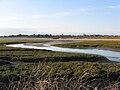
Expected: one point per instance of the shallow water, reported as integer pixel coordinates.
(111, 55)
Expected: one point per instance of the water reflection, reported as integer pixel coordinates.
(111, 55)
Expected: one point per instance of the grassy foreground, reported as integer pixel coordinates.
(61, 76)
(63, 68)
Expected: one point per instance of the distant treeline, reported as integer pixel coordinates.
(63, 36)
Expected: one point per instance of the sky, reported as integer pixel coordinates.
(59, 17)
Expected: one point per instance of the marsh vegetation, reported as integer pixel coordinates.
(47, 70)
(61, 75)
(111, 45)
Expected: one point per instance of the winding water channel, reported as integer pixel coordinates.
(111, 55)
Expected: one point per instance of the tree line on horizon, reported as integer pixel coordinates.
(61, 36)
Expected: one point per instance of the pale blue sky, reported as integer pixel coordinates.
(59, 16)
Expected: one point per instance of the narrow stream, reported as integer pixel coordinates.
(111, 55)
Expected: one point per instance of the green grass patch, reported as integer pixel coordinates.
(113, 45)
(63, 68)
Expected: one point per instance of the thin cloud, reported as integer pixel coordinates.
(80, 9)
(43, 16)
(77, 11)
(9, 18)
(114, 6)
(63, 14)
(37, 16)
(72, 12)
